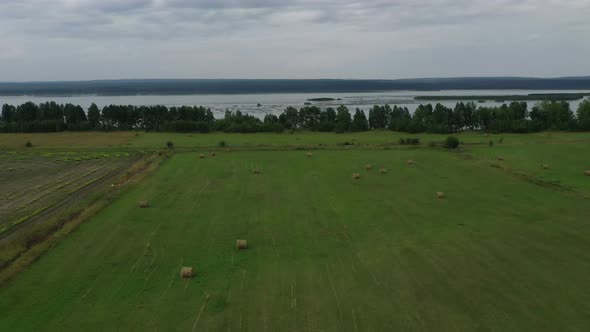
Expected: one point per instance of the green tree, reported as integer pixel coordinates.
(343, 119)
(8, 113)
(290, 118)
(27, 112)
(50, 111)
(554, 115)
(442, 120)
(327, 120)
(583, 115)
(421, 119)
(74, 114)
(359, 121)
(271, 119)
(379, 117)
(309, 117)
(400, 119)
(94, 116)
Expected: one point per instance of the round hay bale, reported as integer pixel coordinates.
(143, 204)
(201, 156)
(545, 166)
(241, 244)
(309, 154)
(368, 167)
(383, 171)
(498, 158)
(440, 195)
(356, 176)
(187, 272)
(587, 173)
(410, 162)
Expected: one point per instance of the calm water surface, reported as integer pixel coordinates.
(276, 103)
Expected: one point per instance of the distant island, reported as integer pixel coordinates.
(502, 98)
(321, 99)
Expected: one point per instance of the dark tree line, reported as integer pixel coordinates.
(514, 117)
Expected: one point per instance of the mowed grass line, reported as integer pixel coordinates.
(326, 252)
(566, 161)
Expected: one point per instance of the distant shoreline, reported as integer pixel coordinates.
(325, 86)
(502, 98)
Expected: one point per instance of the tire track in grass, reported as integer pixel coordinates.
(334, 292)
(235, 179)
(309, 228)
(196, 323)
(152, 267)
(90, 250)
(264, 295)
(242, 291)
(171, 282)
(319, 192)
(349, 240)
(151, 188)
(356, 328)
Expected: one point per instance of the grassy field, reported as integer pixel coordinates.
(507, 250)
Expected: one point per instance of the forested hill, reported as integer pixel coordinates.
(234, 86)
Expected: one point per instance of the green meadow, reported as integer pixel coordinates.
(508, 249)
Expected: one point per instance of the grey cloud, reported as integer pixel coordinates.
(289, 38)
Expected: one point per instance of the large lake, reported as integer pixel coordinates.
(276, 103)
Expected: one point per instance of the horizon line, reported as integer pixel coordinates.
(297, 79)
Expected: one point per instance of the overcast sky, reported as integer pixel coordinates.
(109, 39)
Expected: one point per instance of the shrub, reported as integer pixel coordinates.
(501, 140)
(432, 144)
(409, 141)
(452, 142)
(29, 144)
(491, 143)
(222, 144)
(170, 145)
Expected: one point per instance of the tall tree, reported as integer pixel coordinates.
(74, 114)
(290, 118)
(583, 115)
(8, 113)
(359, 121)
(327, 120)
(343, 119)
(94, 116)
